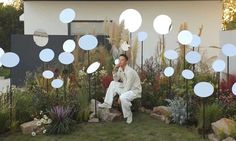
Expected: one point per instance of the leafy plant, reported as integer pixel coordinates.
(10, 24)
(4, 72)
(178, 110)
(84, 109)
(150, 79)
(23, 106)
(62, 122)
(213, 112)
(4, 119)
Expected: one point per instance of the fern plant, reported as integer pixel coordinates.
(178, 110)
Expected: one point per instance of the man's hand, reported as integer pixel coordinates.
(115, 69)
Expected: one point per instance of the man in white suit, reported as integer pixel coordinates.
(126, 84)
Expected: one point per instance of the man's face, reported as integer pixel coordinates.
(122, 61)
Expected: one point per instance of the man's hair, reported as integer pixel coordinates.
(124, 55)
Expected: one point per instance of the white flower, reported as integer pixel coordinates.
(44, 121)
(44, 131)
(39, 123)
(49, 121)
(41, 120)
(35, 119)
(33, 134)
(41, 112)
(45, 117)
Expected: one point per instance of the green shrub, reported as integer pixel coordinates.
(178, 110)
(213, 112)
(4, 119)
(84, 109)
(4, 72)
(24, 106)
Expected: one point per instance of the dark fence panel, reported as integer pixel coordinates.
(28, 52)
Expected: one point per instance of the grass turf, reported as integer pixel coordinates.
(143, 128)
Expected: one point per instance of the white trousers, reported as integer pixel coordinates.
(125, 97)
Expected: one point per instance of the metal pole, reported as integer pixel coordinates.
(142, 55)
(184, 57)
(64, 79)
(187, 104)
(89, 77)
(203, 122)
(43, 71)
(186, 86)
(193, 65)
(57, 91)
(130, 38)
(47, 81)
(218, 88)
(163, 49)
(170, 92)
(11, 99)
(95, 94)
(228, 73)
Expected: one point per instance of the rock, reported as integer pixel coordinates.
(156, 116)
(224, 128)
(148, 111)
(142, 109)
(114, 115)
(93, 120)
(103, 114)
(212, 137)
(92, 115)
(160, 117)
(109, 114)
(92, 105)
(162, 110)
(28, 127)
(229, 139)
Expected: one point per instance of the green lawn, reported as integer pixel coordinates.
(144, 128)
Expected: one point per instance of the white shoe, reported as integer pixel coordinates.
(104, 105)
(129, 119)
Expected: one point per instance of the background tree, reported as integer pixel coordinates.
(9, 23)
(229, 15)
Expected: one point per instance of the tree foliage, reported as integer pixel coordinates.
(9, 23)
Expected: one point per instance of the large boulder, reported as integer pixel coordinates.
(105, 114)
(224, 128)
(162, 110)
(160, 117)
(29, 127)
(93, 120)
(229, 139)
(213, 137)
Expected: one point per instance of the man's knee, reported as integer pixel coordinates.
(123, 98)
(112, 83)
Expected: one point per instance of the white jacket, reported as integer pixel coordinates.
(130, 80)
